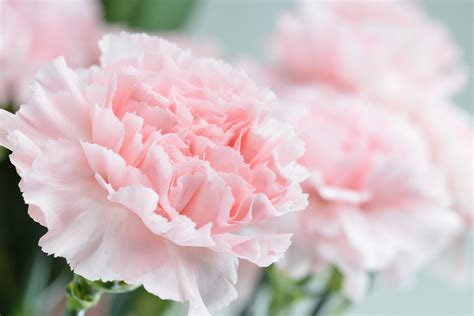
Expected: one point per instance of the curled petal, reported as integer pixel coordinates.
(262, 250)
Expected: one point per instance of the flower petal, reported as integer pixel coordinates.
(188, 278)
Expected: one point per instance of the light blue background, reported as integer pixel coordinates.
(242, 26)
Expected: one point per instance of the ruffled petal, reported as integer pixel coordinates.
(179, 230)
(111, 167)
(107, 130)
(211, 201)
(261, 250)
(188, 279)
(123, 249)
(46, 117)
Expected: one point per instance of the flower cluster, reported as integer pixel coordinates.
(388, 153)
(151, 165)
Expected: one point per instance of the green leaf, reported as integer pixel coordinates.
(285, 291)
(114, 287)
(119, 11)
(83, 294)
(3, 153)
(331, 291)
(145, 304)
(335, 280)
(149, 15)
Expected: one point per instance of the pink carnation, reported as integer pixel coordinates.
(379, 48)
(153, 169)
(449, 133)
(376, 204)
(32, 33)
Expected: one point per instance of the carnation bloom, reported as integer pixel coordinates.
(373, 50)
(377, 48)
(153, 169)
(376, 202)
(32, 33)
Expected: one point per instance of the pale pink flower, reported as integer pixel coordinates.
(32, 33)
(373, 50)
(377, 48)
(448, 131)
(153, 169)
(376, 204)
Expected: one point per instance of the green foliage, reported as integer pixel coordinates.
(3, 153)
(148, 304)
(113, 287)
(331, 301)
(149, 15)
(83, 294)
(336, 280)
(285, 291)
(140, 302)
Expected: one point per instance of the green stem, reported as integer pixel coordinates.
(333, 285)
(322, 302)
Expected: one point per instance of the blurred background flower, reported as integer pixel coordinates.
(35, 32)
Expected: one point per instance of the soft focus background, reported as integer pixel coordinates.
(241, 28)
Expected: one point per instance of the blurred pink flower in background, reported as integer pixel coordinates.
(449, 133)
(450, 136)
(154, 167)
(32, 33)
(393, 55)
(377, 203)
(382, 49)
